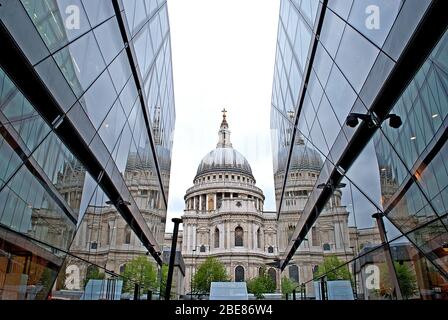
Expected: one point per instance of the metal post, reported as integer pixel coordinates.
(322, 289)
(294, 294)
(136, 291)
(390, 265)
(287, 296)
(169, 279)
(191, 275)
(304, 291)
(354, 276)
(355, 289)
(149, 296)
(301, 291)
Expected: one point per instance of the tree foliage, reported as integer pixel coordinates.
(164, 281)
(333, 269)
(139, 270)
(261, 284)
(288, 285)
(406, 281)
(211, 270)
(93, 272)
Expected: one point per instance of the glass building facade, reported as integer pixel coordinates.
(86, 123)
(372, 59)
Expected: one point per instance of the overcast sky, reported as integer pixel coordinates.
(223, 54)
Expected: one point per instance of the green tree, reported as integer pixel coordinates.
(261, 284)
(406, 281)
(163, 280)
(288, 285)
(139, 270)
(93, 272)
(211, 270)
(333, 269)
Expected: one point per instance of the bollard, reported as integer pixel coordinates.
(136, 291)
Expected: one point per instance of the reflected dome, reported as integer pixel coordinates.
(305, 158)
(302, 158)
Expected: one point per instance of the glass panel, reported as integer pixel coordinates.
(98, 10)
(9, 161)
(109, 39)
(56, 20)
(355, 50)
(98, 100)
(375, 19)
(28, 207)
(81, 62)
(431, 240)
(22, 116)
(417, 276)
(27, 268)
(106, 259)
(112, 126)
(62, 168)
(120, 71)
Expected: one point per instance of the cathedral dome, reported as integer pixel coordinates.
(305, 158)
(224, 157)
(302, 158)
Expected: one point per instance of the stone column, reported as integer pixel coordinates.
(194, 237)
(229, 243)
(250, 236)
(188, 236)
(200, 202)
(337, 233)
(221, 236)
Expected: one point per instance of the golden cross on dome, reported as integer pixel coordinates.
(224, 111)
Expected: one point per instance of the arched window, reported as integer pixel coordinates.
(294, 273)
(270, 249)
(273, 275)
(127, 234)
(239, 274)
(258, 238)
(216, 238)
(202, 248)
(122, 268)
(239, 236)
(327, 247)
(261, 271)
(315, 268)
(211, 203)
(314, 237)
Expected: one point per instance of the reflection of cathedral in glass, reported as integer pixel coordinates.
(103, 235)
(332, 234)
(85, 145)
